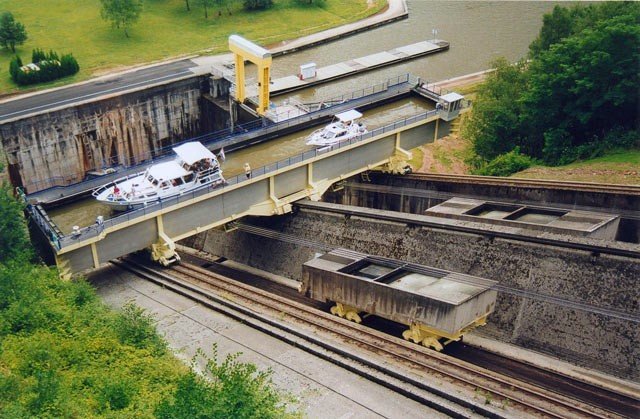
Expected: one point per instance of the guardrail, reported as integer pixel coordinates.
(258, 128)
(60, 240)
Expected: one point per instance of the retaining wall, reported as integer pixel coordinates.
(587, 339)
(60, 147)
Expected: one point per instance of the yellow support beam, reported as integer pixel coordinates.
(244, 49)
(240, 87)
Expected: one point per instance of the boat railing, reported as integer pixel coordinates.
(162, 203)
(113, 183)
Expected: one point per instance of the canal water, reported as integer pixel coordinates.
(83, 213)
(478, 32)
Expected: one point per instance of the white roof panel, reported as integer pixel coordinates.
(167, 171)
(451, 97)
(348, 116)
(193, 152)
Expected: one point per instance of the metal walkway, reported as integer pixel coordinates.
(249, 132)
(271, 190)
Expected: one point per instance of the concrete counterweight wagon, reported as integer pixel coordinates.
(437, 306)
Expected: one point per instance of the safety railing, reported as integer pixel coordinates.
(60, 241)
(259, 127)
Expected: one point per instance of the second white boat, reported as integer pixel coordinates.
(343, 127)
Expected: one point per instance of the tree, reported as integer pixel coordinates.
(224, 4)
(14, 239)
(583, 87)
(494, 125)
(12, 33)
(576, 98)
(257, 4)
(556, 25)
(121, 13)
(206, 4)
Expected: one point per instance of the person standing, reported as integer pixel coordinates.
(247, 170)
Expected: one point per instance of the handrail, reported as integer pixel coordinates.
(225, 134)
(96, 229)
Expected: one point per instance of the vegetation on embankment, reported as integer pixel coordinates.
(63, 353)
(452, 155)
(619, 167)
(575, 98)
(165, 29)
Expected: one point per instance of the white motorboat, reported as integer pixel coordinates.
(343, 127)
(194, 167)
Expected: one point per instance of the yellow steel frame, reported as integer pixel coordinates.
(244, 49)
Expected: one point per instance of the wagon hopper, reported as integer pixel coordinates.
(437, 306)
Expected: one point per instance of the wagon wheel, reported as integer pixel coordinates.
(432, 342)
(354, 317)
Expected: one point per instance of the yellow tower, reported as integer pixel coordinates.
(244, 49)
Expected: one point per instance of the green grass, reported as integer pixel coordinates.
(621, 167)
(416, 158)
(165, 30)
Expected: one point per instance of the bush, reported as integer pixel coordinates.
(51, 67)
(257, 4)
(137, 328)
(506, 164)
(231, 389)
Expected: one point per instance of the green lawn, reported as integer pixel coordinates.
(164, 30)
(616, 167)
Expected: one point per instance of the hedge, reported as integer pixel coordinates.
(49, 67)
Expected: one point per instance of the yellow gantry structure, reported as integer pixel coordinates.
(244, 49)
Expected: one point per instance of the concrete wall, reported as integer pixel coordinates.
(60, 147)
(591, 340)
(409, 188)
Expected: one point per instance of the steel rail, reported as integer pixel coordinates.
(608, 188)
(401, 218)
(275, 235)
(395, 348)
(438, 195)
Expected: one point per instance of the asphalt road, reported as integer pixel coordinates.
(42, 102)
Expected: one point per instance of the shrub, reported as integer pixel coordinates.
(232, 389)
(506, 164)
(50, 67)
(257, 4)
(137, 328)
(14, 67)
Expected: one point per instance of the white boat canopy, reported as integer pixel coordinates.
(348, 116)
(167, 171)
(192, 152)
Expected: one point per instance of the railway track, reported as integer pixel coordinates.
(612, 248)
(618, 403)
(499, 392)
(608, 188)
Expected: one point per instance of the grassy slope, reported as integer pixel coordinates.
(622, 167)
(448, 156)
(164, 30)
